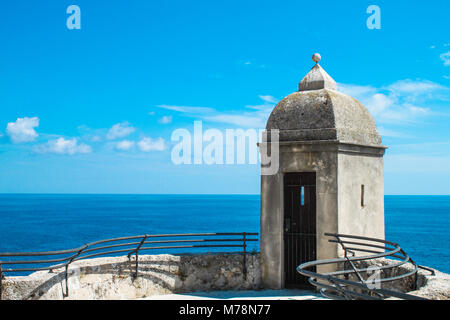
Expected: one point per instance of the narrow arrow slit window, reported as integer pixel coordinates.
(362, 196)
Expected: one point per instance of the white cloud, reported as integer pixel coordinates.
(256, 118)
(186, 109)
(124, 145)
(398, 102)
(92, 135)
(268, 99)
(238, 120)
(63, 146)
(445, 57)
(378, 103)
(417, 110)
(96, 138)
(413, 87)
(120, 130)
(148, 144)
(165, 120)
(23, 129)
(355, 90)
(251, 64)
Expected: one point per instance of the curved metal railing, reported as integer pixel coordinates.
(131, 245)
(365, 282)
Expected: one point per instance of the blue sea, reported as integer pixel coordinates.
(32, 222)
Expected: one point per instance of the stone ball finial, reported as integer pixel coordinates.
(317, 78)
(316, 57)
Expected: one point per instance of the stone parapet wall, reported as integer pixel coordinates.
(429, 286)
(113, 277)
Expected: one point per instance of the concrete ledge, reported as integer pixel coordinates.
(112, 277)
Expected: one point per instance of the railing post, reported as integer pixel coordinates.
(1, 282)
(136, 251)
(244, 267)
(67, 269)
(67, 281)
(416, 278)
(348, 260)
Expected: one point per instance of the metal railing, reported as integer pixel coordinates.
(131, 245)
(354, 282)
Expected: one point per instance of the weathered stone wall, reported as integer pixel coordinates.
(112, 277)
(429, 286)
(354, 170)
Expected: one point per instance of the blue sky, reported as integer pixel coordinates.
(93, 110)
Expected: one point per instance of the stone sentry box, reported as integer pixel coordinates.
(330, 178)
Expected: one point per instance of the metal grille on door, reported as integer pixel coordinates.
(299, 225)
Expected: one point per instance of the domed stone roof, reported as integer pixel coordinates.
(319, 112)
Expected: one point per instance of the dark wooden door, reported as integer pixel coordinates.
(299, 225)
